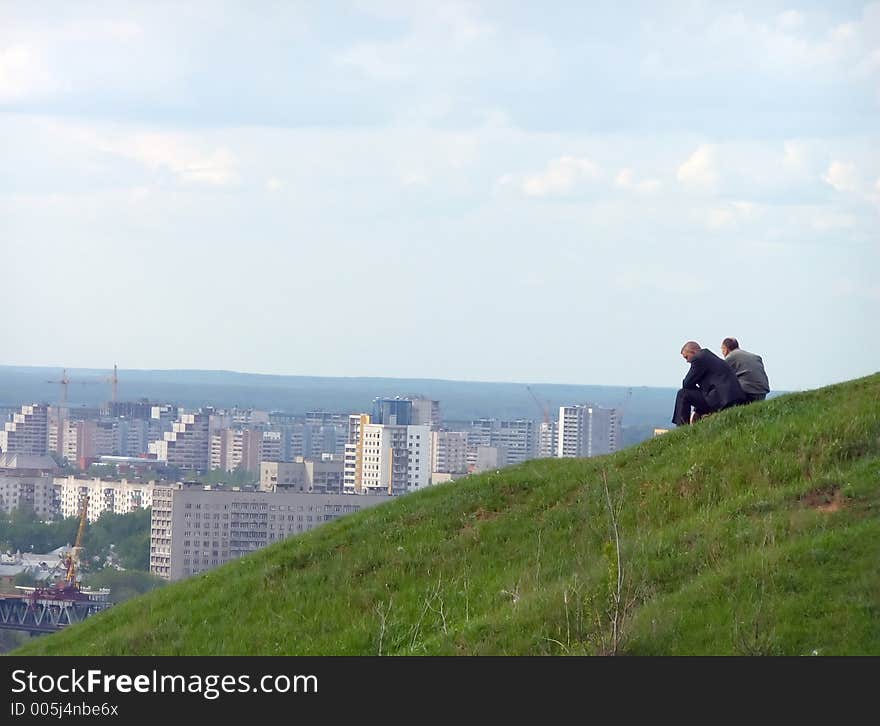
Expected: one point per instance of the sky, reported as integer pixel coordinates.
(560, 192)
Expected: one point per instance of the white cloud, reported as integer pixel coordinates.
(274, 184)
(23, 73)
(728, 215)
(376, 62)
(790, 19)
(561, 176)
(796, 157)
(626, 180)
(437, 31)
(843, 177)
(177, 155)
(699, 169)
(186, 156)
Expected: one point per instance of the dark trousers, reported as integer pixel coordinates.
(752, 397)
(684, 399)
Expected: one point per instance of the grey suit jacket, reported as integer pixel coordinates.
(749, 369)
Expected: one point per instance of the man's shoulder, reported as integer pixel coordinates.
(706, 355)
(741, 354)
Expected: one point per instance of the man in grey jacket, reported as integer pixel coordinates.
(749, 369)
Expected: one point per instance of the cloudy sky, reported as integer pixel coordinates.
(540, 192)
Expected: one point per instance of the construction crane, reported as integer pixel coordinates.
(540, 405)
(72, 558)
(65, 382)
(69, 588)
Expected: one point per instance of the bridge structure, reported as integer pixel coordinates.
(34, 613)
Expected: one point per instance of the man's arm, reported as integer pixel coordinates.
(695, 374)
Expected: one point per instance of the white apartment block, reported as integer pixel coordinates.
(194, 529)
(36, 492)
(386, 458)
(449, 451)
(587, 430)
(28, 432)
(548, 433)
(118, 497)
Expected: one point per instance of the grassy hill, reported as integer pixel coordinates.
(755, 531)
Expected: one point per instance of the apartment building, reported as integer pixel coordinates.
(196, 528)
(449, 451)
(516, 437)
(389, 458)
(27, 432)
(187, 446)
(587, 430)
(28, 490)
(234, 448)
(323, 475)
(426, 412)
(118, 497)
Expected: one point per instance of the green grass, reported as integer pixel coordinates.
(723, 553)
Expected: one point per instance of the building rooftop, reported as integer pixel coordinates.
(27, 461)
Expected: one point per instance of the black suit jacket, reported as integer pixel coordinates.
(711, 375)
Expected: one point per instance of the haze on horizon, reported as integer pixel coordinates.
(478, 191)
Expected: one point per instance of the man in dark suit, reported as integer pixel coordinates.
(710, 385)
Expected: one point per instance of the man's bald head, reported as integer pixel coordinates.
(690, 349)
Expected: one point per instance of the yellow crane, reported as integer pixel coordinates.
(73, 556)
(65, 382)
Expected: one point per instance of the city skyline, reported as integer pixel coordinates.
(453, 191)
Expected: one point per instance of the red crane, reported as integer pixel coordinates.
(540, 405)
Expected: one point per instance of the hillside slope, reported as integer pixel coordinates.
(754, 531)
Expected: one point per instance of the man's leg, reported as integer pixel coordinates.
(684, 399)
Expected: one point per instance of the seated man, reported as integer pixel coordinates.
(710, 385)
(749, 369)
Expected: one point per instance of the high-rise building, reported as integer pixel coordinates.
(426, 412)
(449, 452)
(233, 449)
(392, 411)
(517, 439)
(28, 432)
(587, 430)
(134, 436)
(187, 446)
(386, 457)
(271, 446)
(140, 410)
(547, 439)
